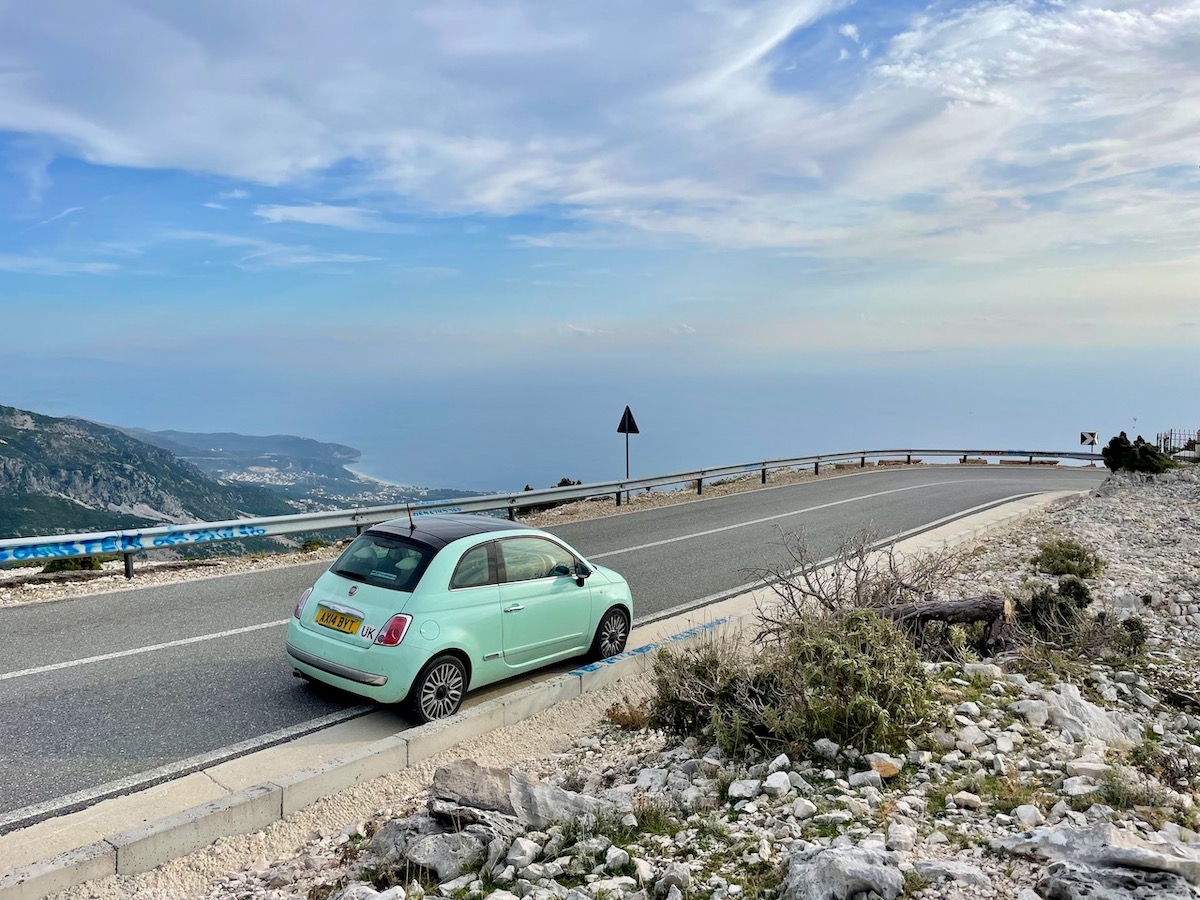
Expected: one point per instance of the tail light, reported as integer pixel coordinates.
(393, 632)
(300, 603)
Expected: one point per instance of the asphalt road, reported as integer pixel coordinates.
(106, 701)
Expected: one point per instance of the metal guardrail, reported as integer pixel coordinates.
(129, 542)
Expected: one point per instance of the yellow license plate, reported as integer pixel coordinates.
(338, 621)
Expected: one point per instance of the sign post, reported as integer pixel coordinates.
(626, 427)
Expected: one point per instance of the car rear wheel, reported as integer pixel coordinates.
(611, 634)
(438, 690)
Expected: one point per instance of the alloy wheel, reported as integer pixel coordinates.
(614, 632)
(442, 690)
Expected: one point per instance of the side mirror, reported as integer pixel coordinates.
(582, 573)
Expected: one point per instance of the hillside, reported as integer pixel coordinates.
(73, 475)
(307, 472)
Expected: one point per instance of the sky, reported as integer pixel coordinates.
(462, 236)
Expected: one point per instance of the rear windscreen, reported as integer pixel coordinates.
(383, 560)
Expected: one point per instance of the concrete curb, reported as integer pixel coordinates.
(60, 872)
(252, 809)
(141, 849)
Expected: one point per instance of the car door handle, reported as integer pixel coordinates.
(516, 608)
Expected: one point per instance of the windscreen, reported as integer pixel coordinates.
(383, 560)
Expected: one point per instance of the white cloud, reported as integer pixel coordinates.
(256, 254)
(43, 265)
(62, 215)
(235, 194)
(976, 132)
(212, 205)
(350, 217)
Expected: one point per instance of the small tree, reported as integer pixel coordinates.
(1138, 456)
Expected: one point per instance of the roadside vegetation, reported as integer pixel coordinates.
(841, 651)
(1121, 455)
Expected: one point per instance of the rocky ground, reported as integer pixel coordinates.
(1080, 782)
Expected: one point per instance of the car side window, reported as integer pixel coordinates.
(527, 558)
(472, 569)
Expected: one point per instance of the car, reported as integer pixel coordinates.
(419, 610)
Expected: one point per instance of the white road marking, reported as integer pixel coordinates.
(136, 650)
(795, 512)
(740, 589)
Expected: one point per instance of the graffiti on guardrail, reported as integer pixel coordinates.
(436, 512)
(208, 534)
(116, 543)
(126, 543)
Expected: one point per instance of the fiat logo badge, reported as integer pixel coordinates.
(353, 591)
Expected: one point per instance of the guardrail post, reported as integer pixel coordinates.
(618, 498)
(908, 460)
(699, 485)
(862, 463)
(357, 529)
(1031, 460)
(764, 474)
(817, 467)
(512, 514)
(128, 564)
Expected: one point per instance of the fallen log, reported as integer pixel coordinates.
(988, 608)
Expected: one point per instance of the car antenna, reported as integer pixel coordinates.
(411, 526)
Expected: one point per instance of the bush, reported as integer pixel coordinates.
(1067, 557)
(72, 564)
(543, 507)
(959, 643)
(1131, 636)
(628, 715)
(856, 680)
(1055, 614)
(1122, 456)
(312, 544)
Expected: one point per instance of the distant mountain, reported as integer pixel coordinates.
(70, 475)
(225, 451)
(312, 474)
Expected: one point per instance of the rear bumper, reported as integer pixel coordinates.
(350, 674)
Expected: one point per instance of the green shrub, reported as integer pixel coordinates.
(1062, 556)
(1055, 614)
(856, 680)
(1131, 636)
(312, 544)
(72, 564)
(941, 641)
(554, 504)
(1122, 456)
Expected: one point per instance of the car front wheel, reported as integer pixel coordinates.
(611, 634)
(438, 690)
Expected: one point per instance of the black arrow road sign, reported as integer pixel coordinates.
(627, 426)
(1085, 437)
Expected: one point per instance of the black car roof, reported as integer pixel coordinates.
(438, 531)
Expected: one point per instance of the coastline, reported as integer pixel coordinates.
(376, 480)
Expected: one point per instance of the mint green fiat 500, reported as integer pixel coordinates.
(419, 611)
